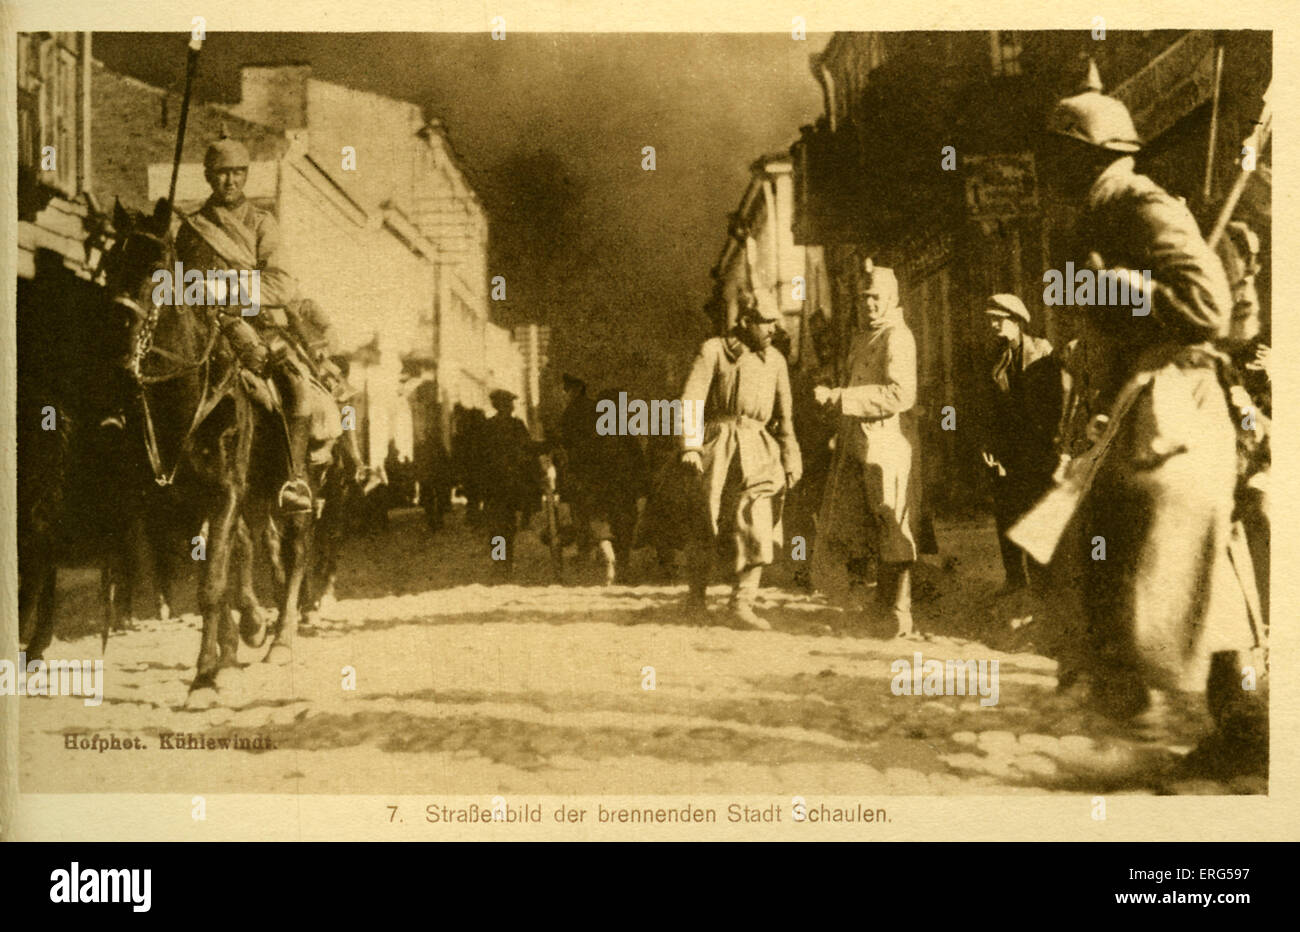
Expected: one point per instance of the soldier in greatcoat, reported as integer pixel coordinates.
(743, 468)
(1150, 599)
(871, 506)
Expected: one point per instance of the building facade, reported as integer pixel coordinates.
(388, 157)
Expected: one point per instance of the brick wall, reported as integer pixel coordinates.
(130, 130)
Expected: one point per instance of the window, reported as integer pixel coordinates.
(48, 91)
(1004, 51)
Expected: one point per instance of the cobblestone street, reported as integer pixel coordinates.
(536, 688)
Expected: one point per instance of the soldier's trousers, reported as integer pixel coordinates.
(1012, 498)
(502, 521)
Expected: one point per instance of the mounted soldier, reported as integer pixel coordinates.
(276, 333)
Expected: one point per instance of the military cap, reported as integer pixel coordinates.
(1007, 305)
(500, 397)
(572, 381)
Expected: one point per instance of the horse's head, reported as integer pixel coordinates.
(143, 246)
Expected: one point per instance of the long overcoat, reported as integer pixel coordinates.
(745, 464)
(1145, 581)
(871, 506)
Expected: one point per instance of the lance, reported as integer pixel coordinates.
(1256, 142)
(191, 66)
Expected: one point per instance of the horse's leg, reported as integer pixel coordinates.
(36, 599)
(159, 551)
(109, 593)
(272, 539)
(330, 573)
(213, 579)
(165, 573)
(297, 535)
(252, 620)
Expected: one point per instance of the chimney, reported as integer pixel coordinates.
(274, 95)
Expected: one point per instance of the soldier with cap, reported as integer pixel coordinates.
(1164, 607)
(511, 474)
(1020, 429)
(744, 386)
(871, 505)
(229, 232)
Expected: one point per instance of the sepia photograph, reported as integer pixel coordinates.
(708, 428)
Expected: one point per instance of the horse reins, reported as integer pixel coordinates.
(142, 350)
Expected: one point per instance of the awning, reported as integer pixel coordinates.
(1171, 85)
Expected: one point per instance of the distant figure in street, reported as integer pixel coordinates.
(511, 477)
(577, 434)
(1024, 413)
(1164, 609)
(743, 470)
(870, 509)
(467, 459)
(615, 481)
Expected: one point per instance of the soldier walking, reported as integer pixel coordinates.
(743, 384)
(1020, 430)
(1160, 607)
(511, 477)
(871, 506)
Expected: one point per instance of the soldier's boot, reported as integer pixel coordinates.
(742, 600)
(894, 595)
(295, 495)
(862, 591)
(698, 566)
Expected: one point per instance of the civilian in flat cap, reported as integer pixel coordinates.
(1023, 414)
(871, 506)
(744, 386)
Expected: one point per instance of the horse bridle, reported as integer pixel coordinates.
(141, 349)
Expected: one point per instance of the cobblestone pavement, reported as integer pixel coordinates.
(531, 687)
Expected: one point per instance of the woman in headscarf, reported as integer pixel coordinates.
(872, 501)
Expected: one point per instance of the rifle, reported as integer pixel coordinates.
(1039, 531)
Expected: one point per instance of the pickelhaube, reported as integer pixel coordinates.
(1090, 116)
(226, 152)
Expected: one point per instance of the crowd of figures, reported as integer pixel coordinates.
(1129, 465)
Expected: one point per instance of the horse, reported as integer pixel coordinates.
(203, 432)
(65, 508)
